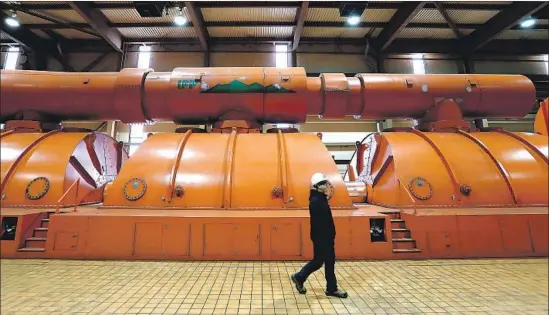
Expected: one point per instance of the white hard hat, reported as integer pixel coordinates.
(317, 178)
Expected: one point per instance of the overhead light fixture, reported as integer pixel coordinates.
(529, 22)
(12, 20)
(179, 19)
(352, 11)
(353, 20)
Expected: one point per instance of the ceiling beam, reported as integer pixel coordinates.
(448, 19)
(198, 23)
(269, 23)
(31, 41)
(400, 19)
(99, 23)
(263, 4)
(300, 23)
(23, 36)
(501, 22)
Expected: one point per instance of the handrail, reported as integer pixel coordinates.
(443, 159)
(497, 163)
(77, 183)
(283, 166)
(7, 132)
(227, 181)
(175, 165)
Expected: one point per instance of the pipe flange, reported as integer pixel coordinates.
(420, 188)
(135, 188)
(179, 191)
(277, 192)
(465, 189)
(329, 190)
(37, 188)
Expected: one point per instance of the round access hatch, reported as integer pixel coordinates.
(37, 188)
(135, 188)
(420, 188)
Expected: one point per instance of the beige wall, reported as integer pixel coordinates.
(233, 59)
(79, 61)
(167, 61)
(333, 63)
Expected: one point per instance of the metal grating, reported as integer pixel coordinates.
(4, 36)
(75, 34)
(272, 32)
(131, 16)
(158, 32)
(473, 3)
(466, 31)
(249, 14)
(335, 32)
(37, 2)
(428, 16)
(471, 16)
(25, 18)
(332, 15)
(41, 34)
(70, 16)
(525, 34)
(434, 33)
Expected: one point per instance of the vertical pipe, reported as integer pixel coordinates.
(229, 169)
(175, 166)
(283, 166)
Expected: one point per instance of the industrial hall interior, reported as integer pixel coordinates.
(274, 157)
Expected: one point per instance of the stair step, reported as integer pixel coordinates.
(403, 240)
(402, 250)
(36, 239)
(41, 229)
(40, 233)
(31, 249)
(45, 223)
(397, 224)
(400, 233)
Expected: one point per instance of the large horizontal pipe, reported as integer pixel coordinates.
(270, 95)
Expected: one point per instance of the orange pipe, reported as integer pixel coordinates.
(198, 95)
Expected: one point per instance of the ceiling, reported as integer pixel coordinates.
(387, 27)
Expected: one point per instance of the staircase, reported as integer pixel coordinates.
(37, 243)
(402, 239)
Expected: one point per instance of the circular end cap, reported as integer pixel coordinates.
(37, 188)
(420, 188)
(135, 188)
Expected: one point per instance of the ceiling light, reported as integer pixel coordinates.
(12, 20)
(529, 22)
(179, 19)
(353, 20)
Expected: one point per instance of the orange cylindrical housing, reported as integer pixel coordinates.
(268, 95)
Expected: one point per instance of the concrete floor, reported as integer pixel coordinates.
(502, 286)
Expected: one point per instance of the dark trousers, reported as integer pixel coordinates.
(324, 253)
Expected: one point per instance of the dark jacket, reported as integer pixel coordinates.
(322, 223)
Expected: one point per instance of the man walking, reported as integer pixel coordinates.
(323, 236)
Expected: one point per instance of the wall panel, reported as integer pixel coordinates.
(317, 63)
(510, 67)
(221, 59)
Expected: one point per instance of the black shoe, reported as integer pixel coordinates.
(337, 293)
(298, 285)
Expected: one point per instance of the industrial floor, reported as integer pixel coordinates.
(490, 286)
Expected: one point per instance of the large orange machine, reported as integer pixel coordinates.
(444, 188)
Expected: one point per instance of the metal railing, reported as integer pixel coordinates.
(77, 184)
